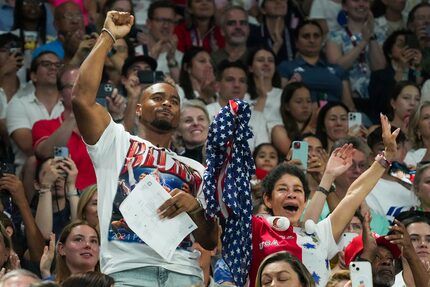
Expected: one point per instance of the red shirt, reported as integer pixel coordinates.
(187, 38)
(78, 151)
(266, 240)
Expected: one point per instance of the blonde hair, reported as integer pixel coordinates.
(84, 199)
(413, 128)
(338, 277)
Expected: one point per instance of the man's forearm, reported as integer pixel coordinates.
(206, 233)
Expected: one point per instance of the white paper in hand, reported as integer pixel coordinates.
(140, 212)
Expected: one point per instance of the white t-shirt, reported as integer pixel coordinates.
(120, 161)
(162, 61)
(23, 110)
(257, 122)
(389, 198)
(3, 100)
(400, 282)
(328, 10)
(272, 108)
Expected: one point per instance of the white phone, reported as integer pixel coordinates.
(354, 121)
(361, 273)
(300, 152)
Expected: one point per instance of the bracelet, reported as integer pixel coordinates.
(200, 208)
(42, 191)
(72, 193)
(110, 34)
(323, 190)
(382, 160)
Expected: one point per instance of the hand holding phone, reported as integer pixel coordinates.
(354, 121)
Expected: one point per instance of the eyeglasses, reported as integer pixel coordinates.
(49, 64)
(236, 22)
(32, 2)
(164, 20)
(73, 16)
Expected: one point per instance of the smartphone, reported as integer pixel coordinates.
(354, 121)
(105, 90)
(6, 167)
(412, 42)
(61, 152)
(345, 239)
(361, 273)
(300, 152)
(150, 77)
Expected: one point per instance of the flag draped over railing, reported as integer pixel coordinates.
(227, 184)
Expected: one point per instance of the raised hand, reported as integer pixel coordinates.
(389, 138)
(118, 23)
(47, 257)
(369, 243)
(340, 160)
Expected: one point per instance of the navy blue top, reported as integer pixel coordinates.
(324, 80)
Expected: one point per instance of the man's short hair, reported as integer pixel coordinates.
(231, 8)
(35, 61)
(357, 143)
(60, 74)
(7, 38)
(18, 273)
(224, 65)
(375, 137)
(159, 4)
(136, 59)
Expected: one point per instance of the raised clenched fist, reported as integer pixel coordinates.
(119, 23)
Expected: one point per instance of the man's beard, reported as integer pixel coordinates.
(383, 280)
(162, 125)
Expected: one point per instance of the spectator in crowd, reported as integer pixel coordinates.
(77, 250)
(39, 100)
(232, 84)
(30, 22)
(400, 196)
(326, 12)
(283, 268)
(63, 132)
(10, 84)
(160, 39)
(266, 157)
(275, 30)
(381, 252)
(19, 277)
(317, 160)
(404, 100)
(94, 279)
(419, 135)
(357, 49)
(88, 8)
(116, 5)
(133, 87)
(403, 64)
(34, 238)
(296, 111)
(418, 20)
(332, 124)
(285, 192)
(72, 45)
(326, 82)
(87, 206)
(58, 197)
(391, 18)
(338, 279)
(158, 112)
(420, 186)
(417, 225)
(197, 76)
(199, 28)
(264, 85)
(235, 29)
(193, 130)
(5, 250)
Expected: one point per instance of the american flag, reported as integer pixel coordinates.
(227, 184)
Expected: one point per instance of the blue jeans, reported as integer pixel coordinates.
(154, 277)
